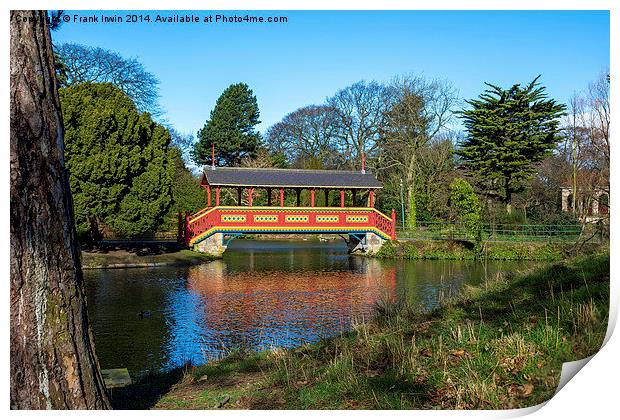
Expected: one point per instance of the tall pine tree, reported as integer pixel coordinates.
(508, 132)
(231, 128)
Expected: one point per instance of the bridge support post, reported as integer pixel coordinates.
(213, 245)
(368, 243)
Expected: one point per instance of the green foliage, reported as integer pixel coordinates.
(464, 250)
(464, 199)
(230, 128)
(410, 251)
(387, 250)
(508, 131)
(278, 160)
(118, 160)
(187, 195)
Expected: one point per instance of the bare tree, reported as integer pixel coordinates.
(308, 137)
(598, 118)
(361, 109)
(81, 63)
(419, 111)
(53, 362)
(586, 147)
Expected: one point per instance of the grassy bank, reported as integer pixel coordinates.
(463, 250)
(141, 256)
(497, 346)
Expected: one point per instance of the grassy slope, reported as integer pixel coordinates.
(463, 250)
(497, 346)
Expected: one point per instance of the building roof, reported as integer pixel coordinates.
(287, 178)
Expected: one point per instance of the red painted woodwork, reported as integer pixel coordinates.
(312, 197)
(281, 197)
(249, 197)
(208, 195)
(217, 196)
(341, 198)
(287, 220)
(363, 171)
(371, 196)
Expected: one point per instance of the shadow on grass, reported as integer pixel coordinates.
(145, 393)
(528, 295)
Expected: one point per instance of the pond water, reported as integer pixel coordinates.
(262, 294)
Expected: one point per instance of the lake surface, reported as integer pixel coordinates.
(263, 294)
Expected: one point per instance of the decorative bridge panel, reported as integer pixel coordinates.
(240, 220)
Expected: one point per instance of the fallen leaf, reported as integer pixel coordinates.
(458, 353)
(520, 391)
(527, 390)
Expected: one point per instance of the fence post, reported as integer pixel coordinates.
(393, 224)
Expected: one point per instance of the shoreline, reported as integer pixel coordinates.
(465, 250)
(120, 259)
(496, 346)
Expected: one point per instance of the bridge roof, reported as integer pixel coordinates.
(288, 178)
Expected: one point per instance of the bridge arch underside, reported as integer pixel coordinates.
(359, 241)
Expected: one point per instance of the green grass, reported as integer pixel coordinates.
(465, 250)
(497, 346)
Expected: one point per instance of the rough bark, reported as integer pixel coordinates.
(53, 362)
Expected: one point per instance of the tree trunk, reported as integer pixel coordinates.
(508, 196)
(53, 363)
(411, 190)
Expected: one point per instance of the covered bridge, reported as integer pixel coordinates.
(295, 180)
(366, 227)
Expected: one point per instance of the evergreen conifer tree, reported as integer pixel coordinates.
(118, 160)
(507, 133)
(230, 128)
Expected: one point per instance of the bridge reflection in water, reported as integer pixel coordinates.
(262, 294)
(240, 307)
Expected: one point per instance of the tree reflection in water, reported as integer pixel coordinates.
(263, 294)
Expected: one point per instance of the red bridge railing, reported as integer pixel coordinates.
(231, 219)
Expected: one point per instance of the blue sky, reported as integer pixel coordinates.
(307, 59)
